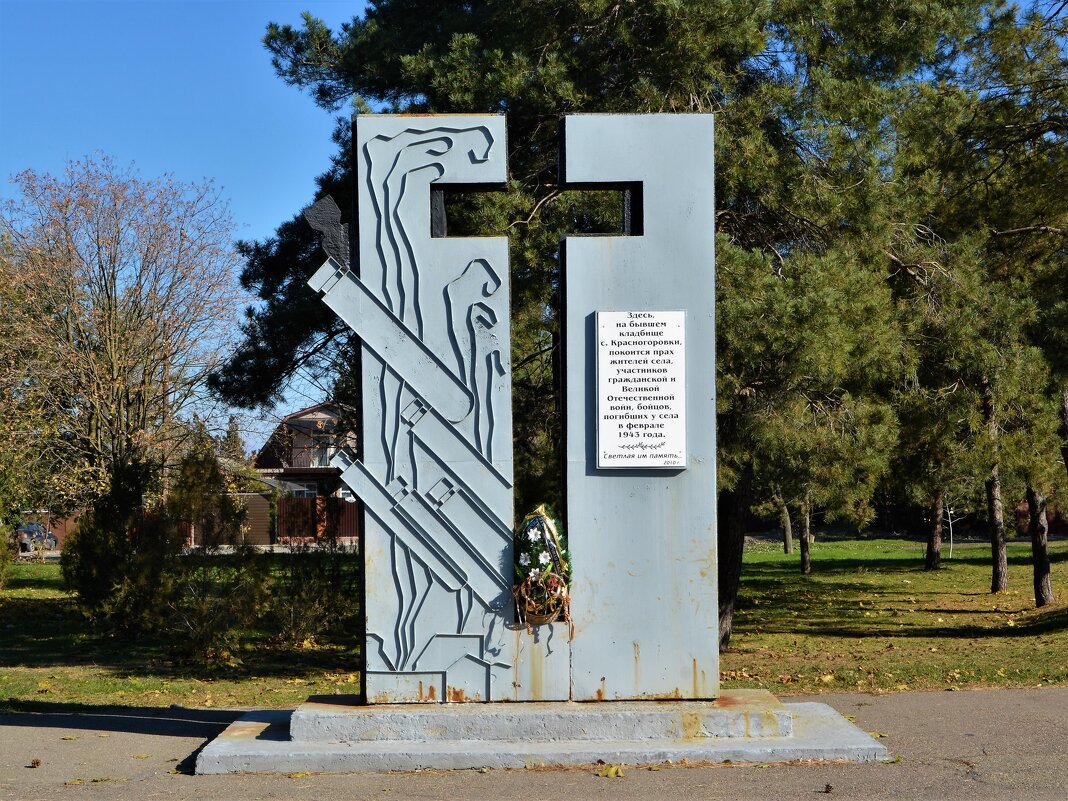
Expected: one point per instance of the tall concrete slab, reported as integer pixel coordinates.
(435, 473)
(642, 536)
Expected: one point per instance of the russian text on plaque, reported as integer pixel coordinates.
(641, 389)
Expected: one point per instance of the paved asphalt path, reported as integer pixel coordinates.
(973, 745)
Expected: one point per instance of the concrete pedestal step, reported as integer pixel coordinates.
(738, 713)
(262, 741)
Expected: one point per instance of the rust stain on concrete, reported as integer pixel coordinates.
(691, 725)
(537, 664)
(728, 700)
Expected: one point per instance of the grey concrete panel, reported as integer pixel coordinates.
(543, 663)
(643, 541)
(436, 468)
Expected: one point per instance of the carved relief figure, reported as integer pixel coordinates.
(436, 477)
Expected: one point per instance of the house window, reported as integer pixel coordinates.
(305, 489)
(320, 457)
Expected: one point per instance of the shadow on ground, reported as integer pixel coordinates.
(173, 721)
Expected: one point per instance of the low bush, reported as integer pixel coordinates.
(315, 590)
(211, 601)
(137, 576)
(101, 567)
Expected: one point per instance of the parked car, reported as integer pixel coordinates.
(35, 537)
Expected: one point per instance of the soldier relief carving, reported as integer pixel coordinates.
(436, 473)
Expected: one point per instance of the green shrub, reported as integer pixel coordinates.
(96, 560)
(136, 576)
(316, 589)
(211, 600)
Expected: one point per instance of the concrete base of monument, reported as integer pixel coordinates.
(328, 735)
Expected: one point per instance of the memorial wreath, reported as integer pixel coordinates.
(542, 570)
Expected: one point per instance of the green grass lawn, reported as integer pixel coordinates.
(868, 618)
(49, 655)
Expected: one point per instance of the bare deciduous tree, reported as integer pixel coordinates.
(124, 301)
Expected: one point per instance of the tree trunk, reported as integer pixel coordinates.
(999, 579)
(732, 507)
(806, 538)
(787, 527)
(1064, 425)
(1039, 526)
(933, 560)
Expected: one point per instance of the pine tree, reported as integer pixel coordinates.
(807, 99)
(232, 444)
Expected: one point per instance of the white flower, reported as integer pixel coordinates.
(544, 558)
(524, 559)
(533, 534)
(535, 573)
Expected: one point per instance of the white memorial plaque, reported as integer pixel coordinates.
(641, 389)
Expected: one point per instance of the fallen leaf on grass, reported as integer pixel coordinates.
(100, 779)
(893, 761)
(878, 735)
(611, 772)
(300, 774)
(74, 782)
(35, 763)
(68, 737)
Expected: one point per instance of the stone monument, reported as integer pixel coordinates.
(434, 473)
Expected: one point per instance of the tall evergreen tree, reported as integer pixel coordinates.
(806, 97)
(989, 146)
(232, 444)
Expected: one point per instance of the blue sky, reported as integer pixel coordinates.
(180, 86)
(174, 86)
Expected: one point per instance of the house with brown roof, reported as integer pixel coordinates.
(311, 501)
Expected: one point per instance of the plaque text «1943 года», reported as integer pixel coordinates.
(641, 389)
